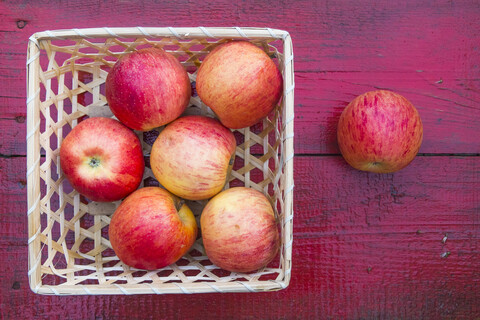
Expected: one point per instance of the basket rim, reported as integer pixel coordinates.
(156, 32)
(164, 288)
(33, 157)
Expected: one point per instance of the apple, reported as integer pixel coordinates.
(240, 83)
(152, 229)
(147, 88)
(239, 230)
(193, 157)
(102, 159)
(379, 131)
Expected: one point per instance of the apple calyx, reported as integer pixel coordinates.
(376, 167)
(94, 162)
(375, 164)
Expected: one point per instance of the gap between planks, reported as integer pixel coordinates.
(7, 156)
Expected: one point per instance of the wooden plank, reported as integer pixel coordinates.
(431, 197)
(365, 246)
(451, 122)
(341, 36)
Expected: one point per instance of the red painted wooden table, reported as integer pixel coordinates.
(366, 246)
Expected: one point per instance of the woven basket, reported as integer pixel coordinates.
(68, 247)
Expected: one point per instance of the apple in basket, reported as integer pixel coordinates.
(152, 229)
(240, 83)
(147, 88)
(239, 230)
(379, 131)
(102, 159)
(193, 156)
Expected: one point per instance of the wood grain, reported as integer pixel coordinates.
(450, 126)
(366, 246)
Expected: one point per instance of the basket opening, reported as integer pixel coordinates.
(149, 137)
(150, 182)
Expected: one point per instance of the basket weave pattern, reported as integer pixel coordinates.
(69, 250)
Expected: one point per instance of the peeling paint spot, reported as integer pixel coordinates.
(445, 238)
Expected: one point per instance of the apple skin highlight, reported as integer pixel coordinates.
(147, 88)
(193, 156)
(240, 83)
(152, 229)
(97, 168)
(239, 230)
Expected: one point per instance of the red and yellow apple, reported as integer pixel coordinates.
(239, 230)
(152, 229)
(147, 88)
(102, 159)
(379, 131)
(240, 83)
(193, 156)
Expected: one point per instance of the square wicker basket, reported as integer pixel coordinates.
(68, 248)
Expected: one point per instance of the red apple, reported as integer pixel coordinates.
(152, 229)
(240, 83)
(147, 89)
(379, 131)
(102, 159)
(193, 156)
(239, 230)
